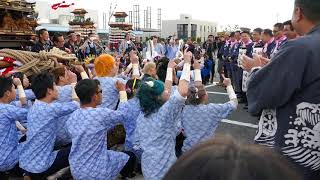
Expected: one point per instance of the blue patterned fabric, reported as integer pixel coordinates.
(110, 95)
(63, 137)
(89, 157)
(65, 93)
(132, 109)
(200, 122)
(156, 135)
(23, 122)
(9, 140)
(37, 153)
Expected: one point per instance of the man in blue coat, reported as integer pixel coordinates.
(289, 97)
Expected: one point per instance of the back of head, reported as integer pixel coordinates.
(222, 159)
(41, 83)
(162, 66)
(147, 67)
(86, 89)
(149, 95)
(196, 95)
(104, 65)
(5, 85)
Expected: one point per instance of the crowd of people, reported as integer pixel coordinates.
(73, 44)
(61, 117)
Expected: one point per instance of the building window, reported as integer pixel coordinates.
(215, 29)
(204, 28)
(194, 31)
(208, 28)
(200, 28)
(182, 30)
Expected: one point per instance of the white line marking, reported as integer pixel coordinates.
(211, 85)
(240, 123)
(213, 92)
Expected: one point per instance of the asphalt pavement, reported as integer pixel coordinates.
(240, 124)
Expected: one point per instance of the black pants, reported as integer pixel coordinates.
(59, 163)
(179, 143)
(16, 171)
(213, 71)
(128, 169)
(220, 69)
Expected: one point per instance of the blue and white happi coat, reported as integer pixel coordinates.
(110, 95)
(132, 109)
(37, 154)
(156, 135)
(9, 138)
(89, 157)
(200, 122)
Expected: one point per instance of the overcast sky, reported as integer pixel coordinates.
(248, 13)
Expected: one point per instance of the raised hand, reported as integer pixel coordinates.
(120, 86)
(196, 65)
(79, 68)
(248, 63)
(17, 82)
(72, 77)
(187, 56)
(264, 61)
(227, 82)
(172, 64)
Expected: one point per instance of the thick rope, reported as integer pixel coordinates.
(34, 63)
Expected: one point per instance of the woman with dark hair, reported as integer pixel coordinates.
(156, 126)
(222, 159)
(200, 119)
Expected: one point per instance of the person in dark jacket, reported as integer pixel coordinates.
(44, 43)
(286, 91)
(71, 44)
(269, 43)
(210, 47)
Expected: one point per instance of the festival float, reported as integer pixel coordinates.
(18, 21)
(118, 29)
(80, 24)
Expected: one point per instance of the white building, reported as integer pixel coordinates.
(60, 16)
(187, 27)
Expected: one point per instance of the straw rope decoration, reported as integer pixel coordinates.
(34, 63)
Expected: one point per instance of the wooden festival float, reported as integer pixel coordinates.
(80, 24)
(18, 21)
(118, 29)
